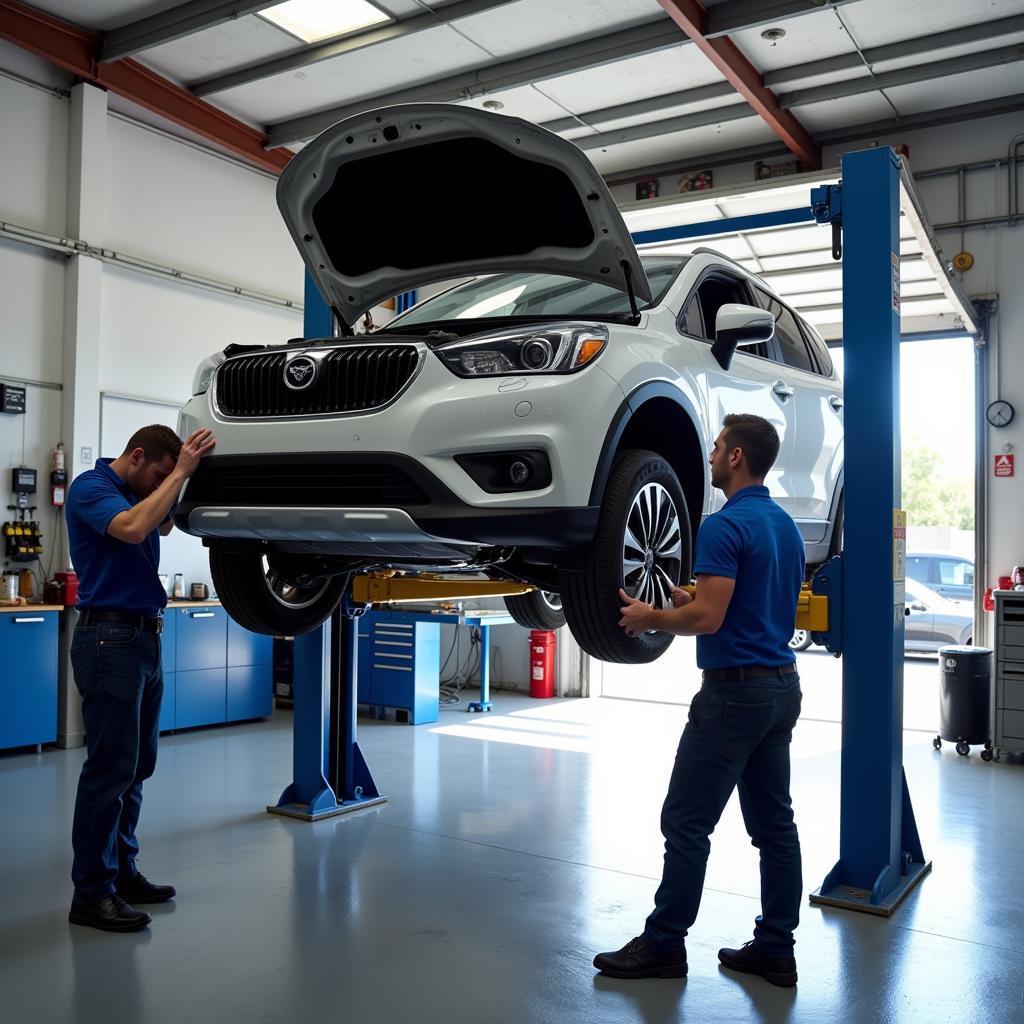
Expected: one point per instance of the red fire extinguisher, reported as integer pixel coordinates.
(542, 662)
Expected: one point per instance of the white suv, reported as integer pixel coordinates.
(548, 420)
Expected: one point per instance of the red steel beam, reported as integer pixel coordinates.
(691, 17)
(77, 50)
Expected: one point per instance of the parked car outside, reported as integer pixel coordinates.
(950, 576)
(547, 421)
(932, 622)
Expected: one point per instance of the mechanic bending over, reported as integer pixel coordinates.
(116, 513)
(749, 567)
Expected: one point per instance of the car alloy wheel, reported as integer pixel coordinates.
(800, 640)
(652, 546)
(291, 595)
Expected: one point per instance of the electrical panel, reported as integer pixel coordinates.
(12, 398)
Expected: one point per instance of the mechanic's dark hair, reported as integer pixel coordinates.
(156, 441)
(757, 438)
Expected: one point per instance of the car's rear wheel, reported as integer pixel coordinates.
(259, 598)
(800, 640)
(540, 609)
(642, 545)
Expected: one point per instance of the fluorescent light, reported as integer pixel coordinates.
(313, 20)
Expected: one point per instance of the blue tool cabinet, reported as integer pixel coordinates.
(399, 664)
(28, 680)
(214, 670)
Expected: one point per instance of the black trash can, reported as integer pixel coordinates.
(965, 683)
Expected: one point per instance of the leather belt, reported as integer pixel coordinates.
(733, 675)
(143, 623)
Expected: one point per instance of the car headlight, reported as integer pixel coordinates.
(203, 377)
(546, 348)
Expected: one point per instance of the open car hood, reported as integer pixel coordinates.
(417, 193)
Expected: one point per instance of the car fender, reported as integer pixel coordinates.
(631, 404)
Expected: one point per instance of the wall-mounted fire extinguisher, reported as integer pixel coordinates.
(58, 476)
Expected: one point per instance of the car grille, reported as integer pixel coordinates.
(326, 484)
(354, 378)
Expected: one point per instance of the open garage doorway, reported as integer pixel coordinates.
(937, 415)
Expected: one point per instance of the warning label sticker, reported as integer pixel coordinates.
(895, 282)
(899, 545)
(1004, 465)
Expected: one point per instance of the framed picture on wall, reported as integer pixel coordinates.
(647, 189)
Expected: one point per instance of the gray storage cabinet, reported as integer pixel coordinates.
(1009, 688)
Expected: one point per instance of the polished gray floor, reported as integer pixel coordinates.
(513, 846)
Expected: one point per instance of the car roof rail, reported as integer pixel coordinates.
(706, 250)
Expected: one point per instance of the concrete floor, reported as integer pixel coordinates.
(513, 847)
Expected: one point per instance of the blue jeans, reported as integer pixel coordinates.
(737, 734)
(117, 672)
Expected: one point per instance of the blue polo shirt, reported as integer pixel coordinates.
(111, 573)
(753, 541)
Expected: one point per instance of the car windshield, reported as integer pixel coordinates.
(543, 295)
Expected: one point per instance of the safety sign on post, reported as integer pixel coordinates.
(1004, 465)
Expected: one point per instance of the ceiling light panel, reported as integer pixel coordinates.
(315, 20)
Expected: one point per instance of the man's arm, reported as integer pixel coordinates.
(134, 525)
(701, 616)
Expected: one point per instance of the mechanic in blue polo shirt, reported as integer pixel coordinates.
(116, 513)
(749, 567)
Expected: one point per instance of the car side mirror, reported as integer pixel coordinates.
(917, 606)
(737, 325)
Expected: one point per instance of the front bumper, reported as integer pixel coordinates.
(371, 505)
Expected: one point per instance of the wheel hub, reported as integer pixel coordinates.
(652, 549)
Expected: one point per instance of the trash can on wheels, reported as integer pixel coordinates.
(965, 699)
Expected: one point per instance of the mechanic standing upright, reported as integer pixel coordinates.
(116, 514)
(749, 568)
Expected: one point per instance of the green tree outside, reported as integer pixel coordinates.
(932, 495)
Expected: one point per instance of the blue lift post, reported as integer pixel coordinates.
(880, 855)
(329, 774)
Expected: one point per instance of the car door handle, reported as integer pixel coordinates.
(836, 402)
(782, 389)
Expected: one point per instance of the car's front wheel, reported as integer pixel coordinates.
(259, 598)
(642, 545)
(539, 609)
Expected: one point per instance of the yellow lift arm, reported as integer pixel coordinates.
(393, 588)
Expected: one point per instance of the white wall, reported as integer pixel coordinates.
(161, 201)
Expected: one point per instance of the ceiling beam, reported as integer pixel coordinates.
(995, 107)
(176, 23)
(742, 14)
(309, 55)
(797, 72)
(981, 32)
(76, 50)
(904, 76)
(543, 65)
(727, 58)
(528, 70)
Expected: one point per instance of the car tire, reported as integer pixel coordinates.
(261, 602)
(539, 609)
(591, 595)
(800, 640)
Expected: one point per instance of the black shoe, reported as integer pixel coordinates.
(779, 970)
(111, 914)
(140, 889)
(637, 959)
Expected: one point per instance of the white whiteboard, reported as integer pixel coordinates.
(119, 419)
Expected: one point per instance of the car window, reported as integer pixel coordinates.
(956, 572)
(917, 569)
(714, 292)
(501, 295)
(819, 347)
(690, 322)
(790, 341)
